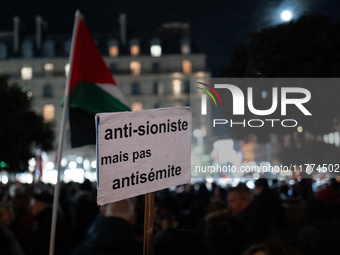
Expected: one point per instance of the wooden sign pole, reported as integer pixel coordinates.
(149, 223)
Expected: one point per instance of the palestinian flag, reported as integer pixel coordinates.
(92, 88)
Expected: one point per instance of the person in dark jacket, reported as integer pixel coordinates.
(42, 212)
(180, 242)
(112, 233)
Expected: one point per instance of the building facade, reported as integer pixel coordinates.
(149, 75)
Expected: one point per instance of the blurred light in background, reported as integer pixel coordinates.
(79, 160)
(4, 179)
(72, 165)
(75, 175)
(197, 133)
(286, 15)
(50, 165)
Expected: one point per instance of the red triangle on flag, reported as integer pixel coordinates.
(87, 63)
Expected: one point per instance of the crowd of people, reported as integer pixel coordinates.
(190, 219)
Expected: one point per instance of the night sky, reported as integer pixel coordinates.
(217, 26)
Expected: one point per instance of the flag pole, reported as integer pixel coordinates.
(149, 215)
(61, 137)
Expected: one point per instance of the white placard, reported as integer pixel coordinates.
(141, 152)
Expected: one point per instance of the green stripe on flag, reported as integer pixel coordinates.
(89, 97)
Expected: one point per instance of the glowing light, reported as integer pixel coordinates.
(50, 165)
(79, 160)
(309, 169)
(256, 176)
(24, 178)
(4, 179)
(326, 138)
(72, 165)
(48, 67)
(336, 139)
(93, 164)
(177, 87)
(86, 164)
(67, 69)
(209, 179)
(331, 138)
(197, 133)
(63, 162)
(76, 175)
(136, 106)
(156, 50)
(50, 176)
(286, 15)
(26, 73)
(250, 184)
(300, 129)
(91, 176)
(31, 162)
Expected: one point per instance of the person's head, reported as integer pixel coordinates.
(6, 216)
(260, 185)
(220, 193)
(124, 209)
(20, 203)
(40, 202)
(239, 198)
(86, 185)
(224, 230)
(174, 241)
(273, 246)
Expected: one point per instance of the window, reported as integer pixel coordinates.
(185, 48)
(113, 46)
(155, 88)
(155, 67)
(26, 73)
(113, 67)
(48, 49)
(187, 87)
(134, 50)
(48, 112)
(135, 90)
(113, 51)
(67, 69)
(185, 45)
(158, 88)
(177, 87)
(67, 47)
(155, 47)
(136, 106)
(48, 68)
(48, 91)
(135, 67)
(156, 50)
(27, 49)
(3, 51)
(186, 66)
